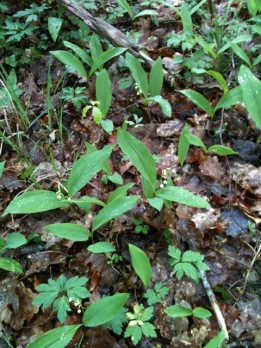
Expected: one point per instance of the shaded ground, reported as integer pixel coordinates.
(232, 185)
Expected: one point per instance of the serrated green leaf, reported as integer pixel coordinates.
(86, 167)
(105, 57)
(10, 265)
(178, 311)
(34, 202)
(141, 158)
(56, 338)
(103, 91)
(200, 312)
(101, 247)
(141, 264)
(221, 150)
(147, 314)
(191, 256)
(104, 310)
(149, 330)
(46, 298)
(138, 73)
(175, 254)
(199, 100)
(190, 271)
(156, 78)
(115, 208)
(182, 196)
(75, 282)
(71, 61)
(251, 88)
(69, 231)
(62, 306)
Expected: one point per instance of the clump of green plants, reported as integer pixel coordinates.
(141, 227)
(190, 263)
(60, 293)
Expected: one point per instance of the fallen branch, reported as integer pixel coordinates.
(112, 34)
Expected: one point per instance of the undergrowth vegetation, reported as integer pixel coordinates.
(77, 154)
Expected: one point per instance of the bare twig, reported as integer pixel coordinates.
(214, 304)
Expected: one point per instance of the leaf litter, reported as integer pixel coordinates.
(223, 233)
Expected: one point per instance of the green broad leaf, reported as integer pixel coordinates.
(206, 46)
(71, 61)
(10, 265)
(54, 27)
(101, 247)
(62, 306)
(108, 126)
(146, 13)
(199, 100)
(135, 332)
(141, 158)
(253, 7)
(186, 19)
(73, 232)
(232, 97)
(115, 208)
(164, 104)
(239, 39)
(80, 52)
(87, 200)
(97, 115)
(95, 46)
(251, 89)
(104, 310)
(200, 312)
(156, 78)
(2, 165)
(126, 7)
(256, 29)
(34, 202)
(120, 192)
(156, 203)
(56, 338)
(141, 264)
(116, 178)
(240, 53)
(182, 196)
(196, 141)
(178, 311)
(105, 57)
(221, 150)
(257, 59)
(216, 341)
(15, 240)
(138, 73)
(219, 78)
(103, 91)
(183, 145)
(86, 167)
